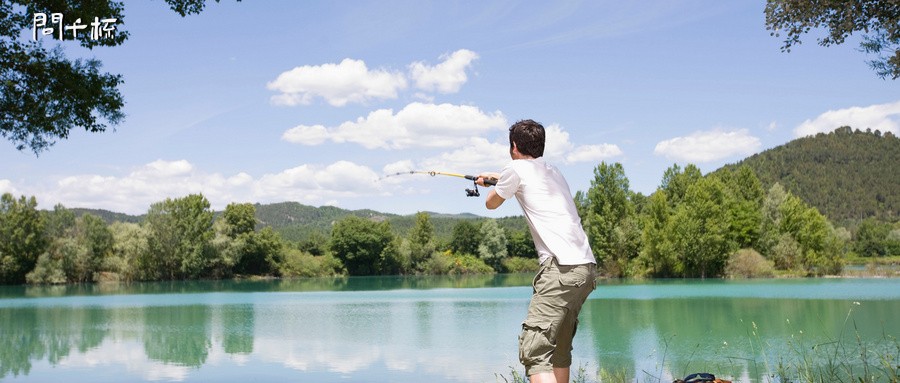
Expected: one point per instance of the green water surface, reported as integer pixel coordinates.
(432, 329)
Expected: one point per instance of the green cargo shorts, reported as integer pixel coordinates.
(559, 292)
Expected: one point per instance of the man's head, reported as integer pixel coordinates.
(527, 137)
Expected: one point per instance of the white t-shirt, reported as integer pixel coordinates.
(549, 209)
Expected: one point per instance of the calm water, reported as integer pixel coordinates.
(428, 329)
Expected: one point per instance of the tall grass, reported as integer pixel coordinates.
(840, 360)
(843, 358)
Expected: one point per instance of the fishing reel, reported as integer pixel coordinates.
(473, 192)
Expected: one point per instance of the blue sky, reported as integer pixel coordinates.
(314, 101)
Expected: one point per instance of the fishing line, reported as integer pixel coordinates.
(469, 192)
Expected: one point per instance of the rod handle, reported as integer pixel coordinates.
(487, 181)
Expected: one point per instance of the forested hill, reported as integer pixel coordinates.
(297, 222)
(848, 175)
(109, 216)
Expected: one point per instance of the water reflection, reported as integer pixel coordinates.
(53, 334)
(338, 329)
(743, 337)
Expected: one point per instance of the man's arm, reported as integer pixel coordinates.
(493, 200)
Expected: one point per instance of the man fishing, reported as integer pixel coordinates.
(568, 268)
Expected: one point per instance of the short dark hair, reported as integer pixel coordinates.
(529, 138)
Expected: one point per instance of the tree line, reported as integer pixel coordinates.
(721, 224)
(183, 239)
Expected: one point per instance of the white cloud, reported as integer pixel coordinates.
(315, 184)
(593, 153)
(475, 156)
(398, 167)
(161, 168)
(557, 143)
(883, 117)
(708, 146)
(559, 148)
(446, 77)
(133, 193)
(351, 81)
(416, 125)
(306, 135)
(6, 186)
(339, 84)
(346, 176)
(129, 354)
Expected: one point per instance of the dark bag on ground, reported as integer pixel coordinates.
(701, 377)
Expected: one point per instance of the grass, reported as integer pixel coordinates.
(839, 361)
(842, 359)
(874, 267)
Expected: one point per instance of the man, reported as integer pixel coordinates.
(568, 267)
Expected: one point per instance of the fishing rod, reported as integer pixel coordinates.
(469, 192)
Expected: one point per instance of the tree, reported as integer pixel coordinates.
(59, 221)
(892, 243)
(871, 238)
(43, 94)
(770, 231)
(180, 231)
(745, 199)
(608, 215)
(96, 243)
(493, 244)
(22, 237)
(466, 237)
(421, 240)
(520, 244)
(676, 182)
(656, 257)
(241, 218)
(796, 236)
(362, 245)
(879, 20)
(130, 245)
(76, 256)
(265, 248)
(698, 230)
(242, 249)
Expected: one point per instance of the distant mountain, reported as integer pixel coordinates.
(296, 222)
(108, 216)
(848, 175)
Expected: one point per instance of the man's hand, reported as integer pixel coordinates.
(486, 176)
(493, 200)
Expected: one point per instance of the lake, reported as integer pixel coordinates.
(434, 329)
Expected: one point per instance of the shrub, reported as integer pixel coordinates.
(438, 263)
(469, 264)
(747, 263)
(520, 265)
(447, 263)
(298, 263)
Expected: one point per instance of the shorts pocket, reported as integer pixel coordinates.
(574, 278)
(535, 342)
